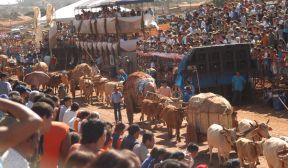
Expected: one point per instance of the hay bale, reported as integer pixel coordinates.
(205, 109)
(41, 66)
(81, 70)
(209, 103)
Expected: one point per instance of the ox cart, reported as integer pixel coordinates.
(204, 110)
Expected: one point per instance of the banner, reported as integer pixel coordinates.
(94, 26)
(128, 45)
(85, 27)
(95, 48)
(50, 14)
(52, 36)
(129, 24)
(77, 24)
(101, 26)
(37, 16)
(111, 25)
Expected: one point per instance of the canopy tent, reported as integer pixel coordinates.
(66, 13)
(98, 3)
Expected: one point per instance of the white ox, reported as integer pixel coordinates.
(248, 150)
(221, 138)
(254, 131)
(271, 148)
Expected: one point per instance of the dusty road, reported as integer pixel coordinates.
(261, 113)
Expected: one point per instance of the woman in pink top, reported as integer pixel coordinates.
(165, 90)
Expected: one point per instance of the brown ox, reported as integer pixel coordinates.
(55, 81)
(152, 109)
(249, 151)
(173, 117)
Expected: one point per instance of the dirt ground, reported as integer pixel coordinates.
(261, 113)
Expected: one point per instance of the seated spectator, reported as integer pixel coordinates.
(79, 159)
(131, 140)
(117, 135)
(141, 150)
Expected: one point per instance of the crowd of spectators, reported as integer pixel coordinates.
(37, 129)
(106, 12)
(263, 25)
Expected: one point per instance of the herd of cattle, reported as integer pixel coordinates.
(249, 139)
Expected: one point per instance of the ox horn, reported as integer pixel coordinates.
(256, 122)
(268, 121)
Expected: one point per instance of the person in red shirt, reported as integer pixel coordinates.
(53, 63)
(56, 145)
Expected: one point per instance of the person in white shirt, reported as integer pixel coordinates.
(67, 102)
(141, 150)
(18, 156)
(32, 95)
(70, 115)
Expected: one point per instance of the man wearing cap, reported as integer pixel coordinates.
(116, 99)
(5, 87)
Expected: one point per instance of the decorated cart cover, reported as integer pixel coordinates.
(129, 24)
(174, 56)
(101, 26)
(206, 109)
(111, 25)
(85, 27)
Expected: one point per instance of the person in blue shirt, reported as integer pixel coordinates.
(187, 94)
(238, 84)
(156, 156)
(116, 99)
(122, 76)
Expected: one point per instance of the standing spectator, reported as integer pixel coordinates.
(93, 137)
(117, 135)
(122, 76)
(238, 83)
(53, 62)
(70, 115)
(188, 93)
(165, 90)
(141, 150)
(131, 140)
(56, 145)
(28, 124)
(5, 86)
(116, 99)
(32, 95)
(47, 59)
(192, 151)
(67, 102)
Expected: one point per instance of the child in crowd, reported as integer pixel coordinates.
(192, 152)
(117, 135)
